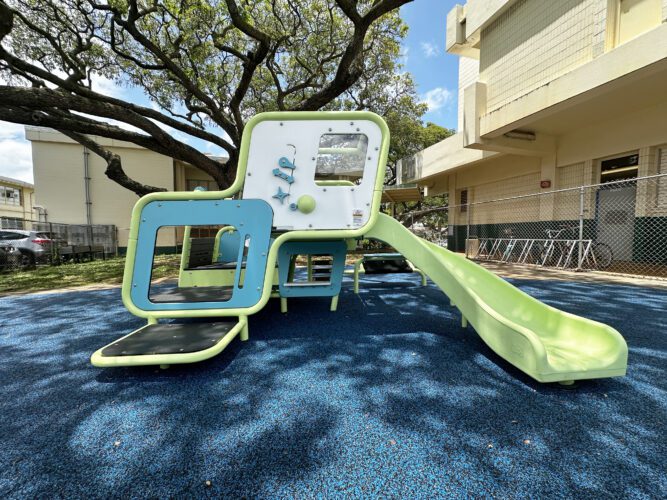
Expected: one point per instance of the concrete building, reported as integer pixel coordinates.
(552, 95)
(17, 203)
(71, 185)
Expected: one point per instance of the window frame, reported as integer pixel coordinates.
(613, 27)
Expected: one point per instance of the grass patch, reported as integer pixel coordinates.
(98, 272)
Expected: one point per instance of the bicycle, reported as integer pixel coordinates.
(560, 252)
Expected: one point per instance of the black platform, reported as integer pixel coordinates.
(169, 338)
(387, 266)
(192, 294)
(216, 265)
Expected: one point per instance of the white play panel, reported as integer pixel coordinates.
(292, 164)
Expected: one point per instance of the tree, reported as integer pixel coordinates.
(206, 65)
(429, 210)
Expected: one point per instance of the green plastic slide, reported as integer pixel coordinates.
(548, 344)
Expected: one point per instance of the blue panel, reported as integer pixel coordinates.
(337, 249)
(250, 217)
(230, 241)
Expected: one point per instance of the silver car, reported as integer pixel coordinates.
(34, 246)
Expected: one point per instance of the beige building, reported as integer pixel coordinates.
(17, 203)
(72, 188)
(552, 95)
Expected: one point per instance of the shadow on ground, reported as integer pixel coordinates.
(387, 397)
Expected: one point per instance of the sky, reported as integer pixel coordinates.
(435, 73)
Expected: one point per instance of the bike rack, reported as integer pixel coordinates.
(519, 250)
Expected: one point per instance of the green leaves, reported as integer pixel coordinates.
(209, 65)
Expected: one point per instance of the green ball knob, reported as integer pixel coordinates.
(305, 204)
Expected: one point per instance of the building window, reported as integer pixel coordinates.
(191, 184)
(10, 196)
(661, 199)
(619, 168)
(11, 223)
(463, 200)
(630, 18)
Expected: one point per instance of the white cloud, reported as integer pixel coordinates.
(403, 55)
(437, 98)
(430, 49)
(15, 152)
(10, 130)
(106, 86)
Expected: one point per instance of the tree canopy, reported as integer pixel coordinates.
(207, 66)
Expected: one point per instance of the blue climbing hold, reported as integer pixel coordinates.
(279, 173)
(280, 195)
(285, 163)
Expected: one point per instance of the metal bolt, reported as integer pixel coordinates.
(324, 189)
(216, 203)
(238, 205)
(368, 204)
(281, 124)
(377, 149)
(143, 220)
(159, 204)
(348, 225)
(369, 158)
(358, 129)
(310, 225)
(263, 254)
(258, 288)
(329, 130)
(351, 189)
(313, 158)
(351, 123)
(134, 285)
(249, 174)
(241, 224)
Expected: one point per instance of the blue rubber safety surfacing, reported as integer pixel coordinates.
(387, 397)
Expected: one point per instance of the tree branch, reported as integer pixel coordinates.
(44, 99)
(350, 67)
(416, 215)
(114, 170)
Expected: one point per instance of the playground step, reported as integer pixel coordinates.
(169, 338)
(216, 265)
(306, 284)
(320, 267)
(194, 294)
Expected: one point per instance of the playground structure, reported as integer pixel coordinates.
(294, 196)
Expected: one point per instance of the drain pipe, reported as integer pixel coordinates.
(86, 185)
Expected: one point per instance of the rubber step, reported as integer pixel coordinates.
(306, 284)
(169, 338)
(191, 294)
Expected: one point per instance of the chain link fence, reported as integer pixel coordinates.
(25, 243)
(618, 227)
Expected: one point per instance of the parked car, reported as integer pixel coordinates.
(10, 258)
(34, 246)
